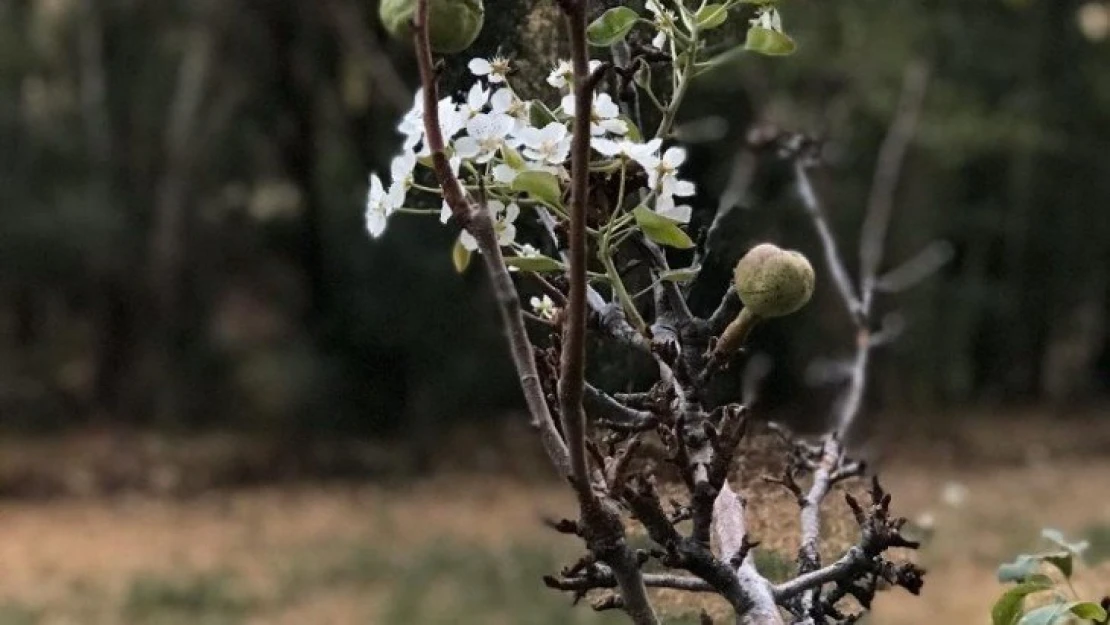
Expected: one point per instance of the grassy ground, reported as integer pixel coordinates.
(470, 548)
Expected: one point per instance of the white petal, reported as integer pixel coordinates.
(507, 234)
(504, 174)
(605, 107)
(684, 188)
(561, 151)
(375, 223)
(665, 206)
(674, 156)
(395, 197)
(659, 41)
(554, 131)
(501, 100)
(568, 104)
(529, 136)
(476, 98)
(615, 126)
(468, 241)
(606, 147)
(377, 191)
(466, 147)
(444, 212)
(402, 165)
(496, 207)
(512, 211)
(479, 67)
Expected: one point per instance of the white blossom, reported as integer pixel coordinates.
(665, 206)
(380, 205)
(623, 148)
(603, 118)
(550, 144)
(476, 100)
(769, 18)
(485, 133)
(664, 21)
(506, 102)
(503, 218)
(412, 123)
(662, 171)
(505, 173)
(562, 75)
(544, 307)
(495, 70)
(401, 168)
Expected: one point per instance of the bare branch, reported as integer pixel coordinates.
(478, 223)
(888, 168)
(828, 242)
(732, 539)
(615, 415)
(726, 311)
(920, 266)
(573, 365)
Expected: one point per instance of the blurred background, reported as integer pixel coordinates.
(220, 402)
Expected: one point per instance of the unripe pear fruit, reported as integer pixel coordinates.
(452, 24)
(771, 282)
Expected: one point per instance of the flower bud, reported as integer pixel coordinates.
(773, 282)
(452, 24)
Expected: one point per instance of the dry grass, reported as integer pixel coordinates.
(466, 548)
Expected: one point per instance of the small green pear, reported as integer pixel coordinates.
(771, 282)
(452, 24)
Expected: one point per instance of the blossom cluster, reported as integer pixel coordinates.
(492, 136)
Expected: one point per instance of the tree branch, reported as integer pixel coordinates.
(477, 221)
(573, 365)
(888, 168)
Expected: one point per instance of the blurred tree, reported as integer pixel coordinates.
(181, 238)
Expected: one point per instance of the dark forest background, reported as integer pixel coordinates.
(182, 187)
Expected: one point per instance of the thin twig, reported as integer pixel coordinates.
(888, 168)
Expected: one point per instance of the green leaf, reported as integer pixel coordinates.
(1019, 570)
(711, 16)
(1061, 560)
(537, 264)
(540, 185)
(761, 2)
(1044, 615)
(1088, 610)
(460, 256)
(539, 115)
(660, 229)
(511, 157)
(1007, 610)
(769, 42)
(611, 27)
(633, 133)
(682, 274)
